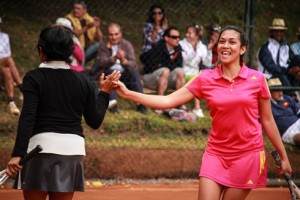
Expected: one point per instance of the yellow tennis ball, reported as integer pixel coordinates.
(97, 184)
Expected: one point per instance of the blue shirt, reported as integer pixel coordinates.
(285, 113)
(296, 48)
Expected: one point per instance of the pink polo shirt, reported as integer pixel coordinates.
(234, 109)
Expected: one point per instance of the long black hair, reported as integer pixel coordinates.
(56, 43)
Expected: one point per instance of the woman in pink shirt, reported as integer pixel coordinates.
(237, 96)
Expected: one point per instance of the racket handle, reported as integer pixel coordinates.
(276, 158)
(286, 175)
(31, 154)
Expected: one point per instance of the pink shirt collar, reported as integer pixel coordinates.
(243, 73)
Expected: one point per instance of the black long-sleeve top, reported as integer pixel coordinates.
(55, 101)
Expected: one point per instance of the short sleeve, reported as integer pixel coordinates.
(194, 85)
(264, 91)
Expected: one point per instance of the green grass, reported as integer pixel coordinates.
(128, 129)
(147, 141)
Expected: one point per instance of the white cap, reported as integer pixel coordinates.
(64, 22)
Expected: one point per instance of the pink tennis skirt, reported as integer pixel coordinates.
(244, 171)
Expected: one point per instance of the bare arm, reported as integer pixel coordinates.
(99, 34)
(172, 100)
(273, 134)
(79, 32)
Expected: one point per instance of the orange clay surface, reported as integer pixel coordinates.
(169, 191)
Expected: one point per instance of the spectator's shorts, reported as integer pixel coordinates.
(151, 80)
(289, 134)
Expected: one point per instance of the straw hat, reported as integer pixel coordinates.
(298, 32)
(64, 22)
(274, 82)
(278, 24)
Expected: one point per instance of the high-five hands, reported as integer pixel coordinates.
(106, 83)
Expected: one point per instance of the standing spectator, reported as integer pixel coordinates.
(78, 54)
(274, 56)
(9, 72)
(163, 66)
(55, 100)
(154, 28)
(286, 112)
(296, 46)
(212, 42)
(194, 52)
(234, 160)
(86, 28)
(117, 53)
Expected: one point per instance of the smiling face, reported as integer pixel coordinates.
(191, 35)
(78, 10)
(114, 34)
(172, 40)
(229, 47)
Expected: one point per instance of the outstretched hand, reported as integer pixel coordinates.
(121, 89)
(106, 84)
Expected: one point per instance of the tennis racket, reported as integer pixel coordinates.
(294, 190)
(32, 153)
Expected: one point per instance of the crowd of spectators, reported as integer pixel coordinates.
(169, 60)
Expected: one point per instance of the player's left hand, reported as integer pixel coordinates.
(13, 166)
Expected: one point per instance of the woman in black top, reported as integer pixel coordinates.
(55, 99)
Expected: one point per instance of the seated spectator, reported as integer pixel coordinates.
(163, 64)
(286, 112)
(294, 71)
(194, 52)
(118, 54)
(86, 28)
(274, 56)
(154, 28)
(9, 72)
(212, 42)
(296, 46)
(78, 53)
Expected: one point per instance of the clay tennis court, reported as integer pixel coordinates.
(176, 191)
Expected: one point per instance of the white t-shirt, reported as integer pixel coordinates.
(192, 57)
(117, 65)
(4, 45)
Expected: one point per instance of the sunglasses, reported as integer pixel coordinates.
(157, 13)
(174, 37)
